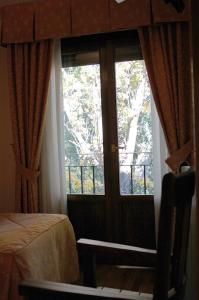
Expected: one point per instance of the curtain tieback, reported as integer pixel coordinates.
(180, 155)
(29, 174)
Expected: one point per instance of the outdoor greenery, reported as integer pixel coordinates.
(83, 128)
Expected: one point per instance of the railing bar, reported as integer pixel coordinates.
(69, 177)
(84, 166)
(93, 169)
(82, 182)
(89, 154)
(140, 165)
(145, 179)
(131, 179)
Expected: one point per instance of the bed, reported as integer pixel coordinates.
(37, 246)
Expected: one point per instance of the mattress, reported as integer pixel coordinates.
(36, 246)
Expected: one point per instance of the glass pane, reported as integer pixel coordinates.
(134, 128)
(84, 159)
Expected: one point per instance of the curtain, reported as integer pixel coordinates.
(52, 183)
(166, 52)
(160, 153)
(29, 71)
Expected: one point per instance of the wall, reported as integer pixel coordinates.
(7, 169)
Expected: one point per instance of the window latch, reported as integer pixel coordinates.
(114, 148)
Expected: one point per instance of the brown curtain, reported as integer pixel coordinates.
(29, 71)
(166, 52)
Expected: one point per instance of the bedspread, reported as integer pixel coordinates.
(37, 246)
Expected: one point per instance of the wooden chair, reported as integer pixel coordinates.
(169, 259)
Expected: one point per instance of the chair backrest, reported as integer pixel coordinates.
(173, 235)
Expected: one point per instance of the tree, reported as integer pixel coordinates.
(134, 124)
(83, 119)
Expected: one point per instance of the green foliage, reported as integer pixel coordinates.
(83, 127)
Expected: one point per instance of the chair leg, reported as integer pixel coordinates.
(89, 270)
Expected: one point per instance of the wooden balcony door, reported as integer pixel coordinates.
(121, 210)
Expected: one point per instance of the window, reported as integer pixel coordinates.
(83, 129)
(107, 116)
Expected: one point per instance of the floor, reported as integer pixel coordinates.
(122, 278)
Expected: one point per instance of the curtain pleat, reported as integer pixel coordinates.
(166, 52)
(52, 166)
(29, 71)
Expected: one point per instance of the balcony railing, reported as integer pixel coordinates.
(143, 167)
(81, 169)
(89, 179)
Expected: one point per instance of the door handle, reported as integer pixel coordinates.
(114, 148)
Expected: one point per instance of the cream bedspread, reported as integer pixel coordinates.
(37, 246)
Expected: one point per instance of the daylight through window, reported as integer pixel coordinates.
(97, 142)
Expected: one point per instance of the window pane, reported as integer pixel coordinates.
(134, 128)
(84, 160)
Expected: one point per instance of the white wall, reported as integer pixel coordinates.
(7, 168)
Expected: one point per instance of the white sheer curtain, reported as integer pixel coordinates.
(160, 153)
(53, 181)
(52, 184)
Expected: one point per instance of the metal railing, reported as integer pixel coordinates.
(144, 185)
(134, 178)
(81, 168)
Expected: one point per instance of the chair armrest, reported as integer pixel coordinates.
(46, 290)
(137, 256)
(88, 249)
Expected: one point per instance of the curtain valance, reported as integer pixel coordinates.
(46, 19)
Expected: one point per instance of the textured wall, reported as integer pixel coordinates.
(6, 157)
